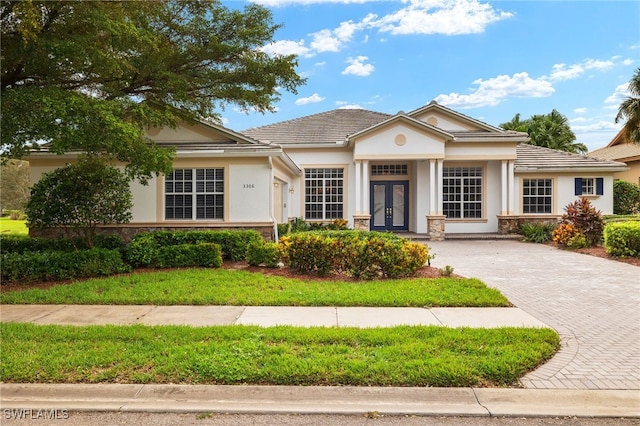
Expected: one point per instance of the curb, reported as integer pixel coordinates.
(485, 402)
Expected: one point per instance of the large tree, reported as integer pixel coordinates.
(629, 110)
(14, 184)
(549, 130)
(92, 76)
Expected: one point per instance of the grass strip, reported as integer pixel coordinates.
(242, 288)
(397, 356)
(10, 226)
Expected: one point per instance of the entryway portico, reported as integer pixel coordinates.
(414, 176)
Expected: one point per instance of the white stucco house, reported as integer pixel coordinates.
(430, 171)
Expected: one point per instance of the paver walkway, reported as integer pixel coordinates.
(593, 303)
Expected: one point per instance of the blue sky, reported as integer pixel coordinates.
(487, 59)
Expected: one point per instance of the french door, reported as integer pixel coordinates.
(389, 205)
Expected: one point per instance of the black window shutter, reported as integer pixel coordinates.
(599, 186)
(578, 186)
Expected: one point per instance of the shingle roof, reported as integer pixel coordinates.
(617, 152)
(531, 158)
(326, 127)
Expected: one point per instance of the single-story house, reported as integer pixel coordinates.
(429, 171)
(620, 149)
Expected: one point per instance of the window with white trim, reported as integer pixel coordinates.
(323, 193)
(462, 192)
(194, 194)
(537, 195)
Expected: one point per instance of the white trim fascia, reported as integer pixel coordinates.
(611, 169)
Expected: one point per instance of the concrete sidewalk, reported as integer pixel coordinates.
(266, 316)
(321, 400)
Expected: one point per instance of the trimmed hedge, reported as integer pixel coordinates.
(363, 255)
(263, 253)
(60, 265)
(27, 244)
(206, 255)
(622, 239)
(143, 249)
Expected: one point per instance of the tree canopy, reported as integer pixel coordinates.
(629, 110)
(92, 76)
(549, 130)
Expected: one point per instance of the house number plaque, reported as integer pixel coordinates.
(248, 185)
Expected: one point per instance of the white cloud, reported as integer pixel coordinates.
(288, 47)
(582, 110)
(350, 106)
(620, 93)
(562, 72)
(315, 98)
(358, 67)
(594, 127)
(417, 17)
(495, 90)
(439, 17)
(628, 62)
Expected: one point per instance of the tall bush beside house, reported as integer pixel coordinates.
(583, 218)
(622, 239)
(626, 197)
(79, 197)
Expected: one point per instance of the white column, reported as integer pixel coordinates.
(365, 187)
(358, 187)
(505, 187)
(432, 187)
(512, 187)
(439, 191)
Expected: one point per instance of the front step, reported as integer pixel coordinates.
(475, 236)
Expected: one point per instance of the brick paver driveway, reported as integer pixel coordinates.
(593, 303)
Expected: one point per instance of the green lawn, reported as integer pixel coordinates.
(398, 356)
(8, 226)
(233, 287)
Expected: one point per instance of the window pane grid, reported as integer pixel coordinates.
(588, 186)
(388, 169)
(194, 194)
(537, 195)
(462, 192)
(324, 193)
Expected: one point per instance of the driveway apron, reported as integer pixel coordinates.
(593, 303)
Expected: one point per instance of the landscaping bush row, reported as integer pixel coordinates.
(363, 255)
(622, 239)
(27, 244)
(60, 265)
(144, 248)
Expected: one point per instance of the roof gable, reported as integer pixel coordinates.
(450, 120)
(201, 132)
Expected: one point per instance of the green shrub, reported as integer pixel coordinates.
(143, 249)
(263, 253)
(206, 255)
(577, 241)
(622, 239)
(24, 243)
(363, 255)
(537, 232)
(60, 265)
(586, 219)
(626, 197)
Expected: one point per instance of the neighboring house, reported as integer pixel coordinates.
(620, 149)
(430, 171)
